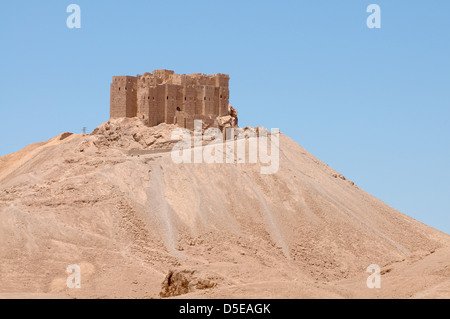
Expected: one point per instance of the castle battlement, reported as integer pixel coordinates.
(166, 97)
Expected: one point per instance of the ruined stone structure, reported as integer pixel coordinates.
(163, 96)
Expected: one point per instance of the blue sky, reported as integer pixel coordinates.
(372, 103)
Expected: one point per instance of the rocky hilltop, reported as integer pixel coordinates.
(139, 225)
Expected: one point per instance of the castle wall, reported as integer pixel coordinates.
(209, 100)
(147, 108)
(160, 104)
(153, 106)
(172, 102)
(223, 100)
(190, 99)
(199, 99)
(163, 96)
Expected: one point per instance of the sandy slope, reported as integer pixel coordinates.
(127, 219)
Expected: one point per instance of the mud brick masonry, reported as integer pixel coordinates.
(165, 97)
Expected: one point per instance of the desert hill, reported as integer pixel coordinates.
(114, 203)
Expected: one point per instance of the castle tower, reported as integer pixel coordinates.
(123, 97)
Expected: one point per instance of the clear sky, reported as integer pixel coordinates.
(373, 104)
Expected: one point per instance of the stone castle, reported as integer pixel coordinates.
(165, 97)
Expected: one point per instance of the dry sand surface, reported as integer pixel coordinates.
(115, 204)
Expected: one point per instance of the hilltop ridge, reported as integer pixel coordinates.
(220, 230)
